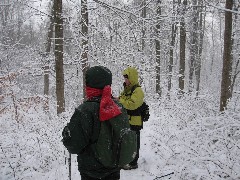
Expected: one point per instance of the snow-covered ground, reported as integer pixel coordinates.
(184, 139)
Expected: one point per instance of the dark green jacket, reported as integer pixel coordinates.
(87, 115)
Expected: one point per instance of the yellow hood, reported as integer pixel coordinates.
(132, 75)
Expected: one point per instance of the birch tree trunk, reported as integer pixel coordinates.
(227, 59)
(59, 56)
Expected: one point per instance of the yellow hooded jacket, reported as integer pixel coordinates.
(134, 100)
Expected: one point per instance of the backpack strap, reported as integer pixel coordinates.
(95, 134)
(133, 89)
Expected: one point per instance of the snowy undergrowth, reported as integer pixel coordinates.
(187, 137)
(30, 145)
(194, 141)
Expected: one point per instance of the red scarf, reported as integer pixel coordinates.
(108, 108)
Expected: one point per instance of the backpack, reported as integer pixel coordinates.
(113, 145)
(143, 110)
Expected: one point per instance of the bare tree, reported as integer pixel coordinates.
(48, 49)
(236, 46)
(182, 48)
(172, 44)
(198, 62)
(193, 43)
(59, 56)
(227, 59)
(158, 50)
(4, 15)
(143, 15)
(84, 40)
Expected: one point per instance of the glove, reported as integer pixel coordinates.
(66, 133)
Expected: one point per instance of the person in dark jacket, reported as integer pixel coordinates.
(132, 101)
(98, 82)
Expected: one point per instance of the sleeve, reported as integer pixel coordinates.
(83, 127)
(135, 100)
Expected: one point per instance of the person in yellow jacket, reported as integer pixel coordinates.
(132, 98)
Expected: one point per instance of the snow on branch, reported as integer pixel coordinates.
(223, 9)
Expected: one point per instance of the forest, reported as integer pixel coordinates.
(188, 57)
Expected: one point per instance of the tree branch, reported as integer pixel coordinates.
(113, 7)
(221, 8)
(35, 9)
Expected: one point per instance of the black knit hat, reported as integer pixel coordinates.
(98, 77)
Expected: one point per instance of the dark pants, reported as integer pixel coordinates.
(134, 162)
(113, 176)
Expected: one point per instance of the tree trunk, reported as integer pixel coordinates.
(84, 28)
(193, 44)
(158, 51)
(213, 45)
(172, 44)
(235, 74)
(59, 56)
(182, 50)
(170, 65)
(236, 46)
(227, 60)
(200, 48)
(143, 23)
(4, 12)
(46, 67)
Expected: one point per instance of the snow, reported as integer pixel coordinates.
(183, 139)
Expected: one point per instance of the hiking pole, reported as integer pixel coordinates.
(69, 166)
(164, 176)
